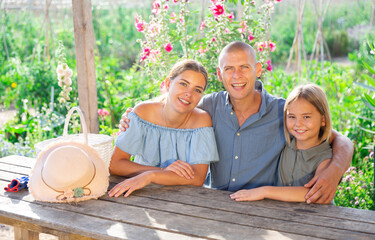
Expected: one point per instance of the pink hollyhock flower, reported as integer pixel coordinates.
(269, 66)
(272, 46)
(146, 53)
(139, 24)
(231, 16)
(168, 47)
(154, 55)
(252, 2)
(173, 18)
(243, 27)
(202, 50)
(214, 39)
(272, 7)
(250, 37)
(217, 10)
(226, 30)
(166, 6)
(156, 7)
(102, 113)
(156, 4)
(261, 46)
(203, 25)
(175, 1)
(163, 88)
(278, 0)
(154, 29)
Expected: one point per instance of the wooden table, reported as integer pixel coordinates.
(178, 212)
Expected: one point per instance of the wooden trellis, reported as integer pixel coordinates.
(298, 43)
(320, 43)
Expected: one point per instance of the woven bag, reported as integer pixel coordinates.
(103, 144)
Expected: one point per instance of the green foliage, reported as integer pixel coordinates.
(172, 32)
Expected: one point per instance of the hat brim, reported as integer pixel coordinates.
(98, 186)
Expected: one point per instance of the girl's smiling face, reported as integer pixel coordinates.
(304, 121)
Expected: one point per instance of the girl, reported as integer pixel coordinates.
(307, 119)
(172, 140)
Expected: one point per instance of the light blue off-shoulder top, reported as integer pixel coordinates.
(154, 145)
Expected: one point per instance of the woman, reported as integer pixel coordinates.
(172, 140)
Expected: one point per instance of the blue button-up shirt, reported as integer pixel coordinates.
(248, 154)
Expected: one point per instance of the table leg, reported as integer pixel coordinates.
(24, 234)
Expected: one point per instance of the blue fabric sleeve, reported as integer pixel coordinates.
(203, 149)
(131, 141)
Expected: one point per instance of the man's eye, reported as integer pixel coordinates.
(291, 117)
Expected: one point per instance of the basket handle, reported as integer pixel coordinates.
(83, 123)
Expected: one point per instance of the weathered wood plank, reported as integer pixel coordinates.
(8, 176)
(35, 217)
(164, 220)
(174, 215)
(18, 160)
(221, 200)
(14, 168)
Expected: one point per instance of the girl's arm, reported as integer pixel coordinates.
(163, 177)
(122, 166)
(286, 194)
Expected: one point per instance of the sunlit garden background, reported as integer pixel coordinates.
(138, 41)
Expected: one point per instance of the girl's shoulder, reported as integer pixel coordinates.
(148, 111)
(200, 118)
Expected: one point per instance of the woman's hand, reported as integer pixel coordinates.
(182, 169)
(125, 120)
(131, 184)
(248, 195)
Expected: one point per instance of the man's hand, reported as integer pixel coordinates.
(182, 169)
(323, 185)
(125, 120)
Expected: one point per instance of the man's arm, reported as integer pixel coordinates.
(324, 184)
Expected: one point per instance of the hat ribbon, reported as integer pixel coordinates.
(75, 193)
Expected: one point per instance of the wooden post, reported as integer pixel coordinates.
(85, 45)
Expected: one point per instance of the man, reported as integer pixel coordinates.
(248, 125)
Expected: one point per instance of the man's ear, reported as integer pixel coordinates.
(258, 69)
(219, 74)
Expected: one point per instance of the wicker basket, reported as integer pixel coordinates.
(103, 144)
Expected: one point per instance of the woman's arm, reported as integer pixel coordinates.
(163, 177)
(286, 194)
(122, 166)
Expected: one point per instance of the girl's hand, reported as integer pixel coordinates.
(130, 185)
(182, 169)
(254, 194)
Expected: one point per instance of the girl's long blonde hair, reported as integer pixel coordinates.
(316, 96)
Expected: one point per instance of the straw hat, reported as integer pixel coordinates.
(68, 172)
